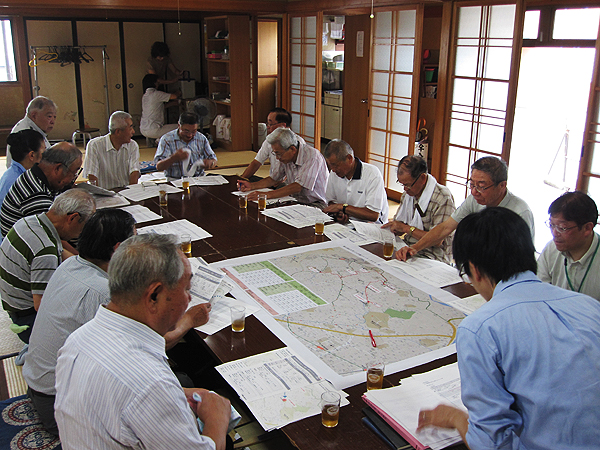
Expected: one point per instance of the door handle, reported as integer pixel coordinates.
(364, 100)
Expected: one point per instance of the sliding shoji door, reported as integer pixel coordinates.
(485, 54)
(394, 89)
(305, 76)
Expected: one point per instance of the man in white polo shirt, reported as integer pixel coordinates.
(354, 188)
(113, 160)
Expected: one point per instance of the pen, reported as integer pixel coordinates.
(373, 343)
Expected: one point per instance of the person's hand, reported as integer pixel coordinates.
(198, 315)
(213, 407)
(443, 416)
(244, 186)
(397, 227)
(404, 253)
(333, 208)
(210, 163)
(179, 155)
(252, 196)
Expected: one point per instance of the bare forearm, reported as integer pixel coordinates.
(264, 183)
(289, 189)
(436, 235)
(164, 164)
(134, 177)
(251, 169)
(174, 336)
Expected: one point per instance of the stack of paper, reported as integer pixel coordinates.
(141, 213)
(298, 216)
(400, 406)
(154, 177)
(336, 231)
(278, 387)
(270, 201)
(435, 273)
(374, 232)
(139, 192)
(178, 227)
(206, 180)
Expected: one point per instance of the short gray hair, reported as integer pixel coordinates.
(284, 137)
(74, 201)
(140, 261)
(117, 121)
(39, 103)
(495, 167)
(338, 148)
(63, 153)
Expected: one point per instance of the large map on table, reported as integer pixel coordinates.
(331, 298)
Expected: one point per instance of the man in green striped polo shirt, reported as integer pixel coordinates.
(32, 250)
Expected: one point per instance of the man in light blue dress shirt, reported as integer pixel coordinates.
(529, 358)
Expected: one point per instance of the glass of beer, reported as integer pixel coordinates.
(238, 318)
(388, 246)
(375, 371)
(262, 201)
(186, 245)
(330, 408)
(243, 200)
(186, 184)
(319, 227)
(162, 197)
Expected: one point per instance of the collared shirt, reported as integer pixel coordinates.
(29, 195)
(529, 361)
(309, 171)
(72, 297)
(153, 109)
(440, 208)
(364, 190)
(171, 142)
(551, 268)
(111, 166)
(510, 201)
(115, 390)
(29, 254)
(25, 124)
(9, 177)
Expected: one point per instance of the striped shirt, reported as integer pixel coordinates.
(171, 142)
(72, 298)
(309, 171)
(111, 166)
(115, 390)
(29, 255)
(441, 206)
(29, 195)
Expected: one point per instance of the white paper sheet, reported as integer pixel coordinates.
(205, 282)
(220, 314)
(178, 227)
(435, 273)
(376, 233)
(110, 202)
(207, 180)
(278, 387)
(154, 177)
(337, 231)
(468, 305)
(298, 216)
(141, 214)
(270, 201)
(139, 192)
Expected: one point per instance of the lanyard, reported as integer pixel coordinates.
(586, 272)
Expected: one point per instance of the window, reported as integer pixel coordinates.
(8, 70)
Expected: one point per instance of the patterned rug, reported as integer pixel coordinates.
(20, 428)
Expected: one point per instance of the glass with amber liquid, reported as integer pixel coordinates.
(162, 197)
(375, 375)
(243, 201)
(319, 227)
(238, 318)
(262, 202)
(186, 245)
(330, 409)
(186, 185)
(388, 247)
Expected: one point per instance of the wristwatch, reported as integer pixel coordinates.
(344, 208)
(411, 230)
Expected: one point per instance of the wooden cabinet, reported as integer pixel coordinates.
(228, 51)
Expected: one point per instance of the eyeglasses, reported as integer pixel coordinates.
(75, 174)
(408, 186)
(480, 189)
(463, 275)
(280, 154)
(557, 229)
(274, 124)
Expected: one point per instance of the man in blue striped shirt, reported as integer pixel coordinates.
(114, 386)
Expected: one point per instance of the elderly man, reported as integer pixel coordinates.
(114, 386)
(529, 358)
(34, 190)
(302, 166)
(40, 116)
(424, 204)
(570, 260)
(32, 251)
(488, 188)
(354, 188)
(113, 160)
(277, 118)
(184, 151)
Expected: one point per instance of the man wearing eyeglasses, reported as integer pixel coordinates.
(570, 260)
(301, 166)
(424, 204)
(184, 151)
(488, 188)
(277, 118)
(35, 189)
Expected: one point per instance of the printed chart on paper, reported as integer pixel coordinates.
(327, 297)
